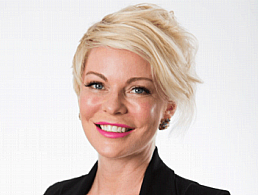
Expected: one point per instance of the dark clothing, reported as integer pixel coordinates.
(158, 180)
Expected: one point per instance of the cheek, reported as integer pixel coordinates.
(147, 111)
(88, 105)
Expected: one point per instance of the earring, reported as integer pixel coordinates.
(164, 124)
(79, 116)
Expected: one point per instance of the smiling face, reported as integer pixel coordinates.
(120, 109)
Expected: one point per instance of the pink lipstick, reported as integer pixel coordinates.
(110, 134)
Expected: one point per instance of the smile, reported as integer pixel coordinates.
(116, 129)
(113, 130)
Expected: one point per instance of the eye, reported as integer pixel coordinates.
(141, 90)
(95, 85)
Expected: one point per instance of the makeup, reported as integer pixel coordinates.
(112, 130)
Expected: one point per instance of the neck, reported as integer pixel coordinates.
(122, 175)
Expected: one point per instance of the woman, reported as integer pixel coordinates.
(132, 71)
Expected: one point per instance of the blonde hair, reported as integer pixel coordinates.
(154, 34)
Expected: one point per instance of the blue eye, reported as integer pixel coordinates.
(141, 90)
(95, 85)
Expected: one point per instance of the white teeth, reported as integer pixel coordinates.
(111, 128)
(119, 129)
(114, 129)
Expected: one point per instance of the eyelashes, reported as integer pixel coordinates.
(95, 85)
(135, 90)
(141, 90)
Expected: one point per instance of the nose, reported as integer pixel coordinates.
(114, 103)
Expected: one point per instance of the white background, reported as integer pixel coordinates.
(41, 139)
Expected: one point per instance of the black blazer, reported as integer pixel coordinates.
(158, 180)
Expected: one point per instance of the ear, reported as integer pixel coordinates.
(170, 110)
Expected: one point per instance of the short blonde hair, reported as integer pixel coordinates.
(154, 34)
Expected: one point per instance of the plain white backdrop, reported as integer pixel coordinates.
(41, 138)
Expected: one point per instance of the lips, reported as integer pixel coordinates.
(113, 130)
(112, 127)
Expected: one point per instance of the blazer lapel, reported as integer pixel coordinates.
(158, 179)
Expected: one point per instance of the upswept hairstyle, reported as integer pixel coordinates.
(154, 34)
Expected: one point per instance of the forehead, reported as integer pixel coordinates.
(119, 61)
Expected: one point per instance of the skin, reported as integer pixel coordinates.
(118, 88)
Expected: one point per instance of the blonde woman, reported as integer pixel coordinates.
(132, 71)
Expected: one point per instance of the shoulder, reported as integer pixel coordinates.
(160, 179)
(188, 187)
(78, 185)
(66, 186)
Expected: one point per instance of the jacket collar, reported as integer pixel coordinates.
(158, 178)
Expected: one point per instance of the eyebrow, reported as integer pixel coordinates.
(97, 74)
(138, 78)
(128, 81)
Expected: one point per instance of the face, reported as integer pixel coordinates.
(120, 109)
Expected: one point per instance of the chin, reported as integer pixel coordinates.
(111, 152)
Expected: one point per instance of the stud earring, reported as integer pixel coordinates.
(164, 124)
